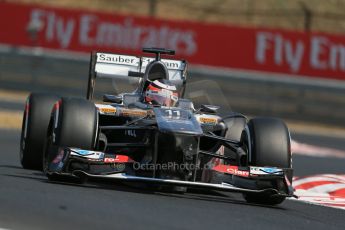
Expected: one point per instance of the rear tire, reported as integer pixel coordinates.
(36, 118)
(267, 141)
(235, 127)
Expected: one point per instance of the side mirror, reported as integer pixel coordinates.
(112, 98)
(185, 104)
(209, 108)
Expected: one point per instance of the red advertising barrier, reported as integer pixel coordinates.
(279, 51)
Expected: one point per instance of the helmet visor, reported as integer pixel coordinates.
(163, 98)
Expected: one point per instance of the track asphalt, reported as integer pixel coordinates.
(29, 201)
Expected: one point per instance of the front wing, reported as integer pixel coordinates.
(66, 155)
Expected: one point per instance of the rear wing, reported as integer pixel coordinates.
(107, 65)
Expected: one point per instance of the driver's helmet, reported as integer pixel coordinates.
(161, 93)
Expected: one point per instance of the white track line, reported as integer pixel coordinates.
(316, 151)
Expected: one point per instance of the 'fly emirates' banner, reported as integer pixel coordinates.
(277, 51)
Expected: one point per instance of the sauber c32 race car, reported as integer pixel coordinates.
(155, 136)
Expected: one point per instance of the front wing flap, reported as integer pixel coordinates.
(197, 185)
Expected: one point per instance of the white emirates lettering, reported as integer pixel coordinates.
(56, 28)
(90, 30)
(324, 54)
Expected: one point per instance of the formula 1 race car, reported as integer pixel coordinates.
(155, 136)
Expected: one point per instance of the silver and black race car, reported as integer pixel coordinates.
(155, 136)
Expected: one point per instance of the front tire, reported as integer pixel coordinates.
(74, 123)
(267, 141)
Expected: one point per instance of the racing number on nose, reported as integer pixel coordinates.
(173, 114)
